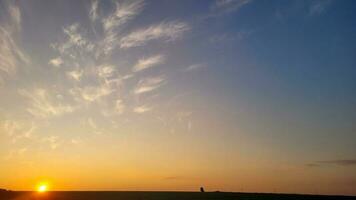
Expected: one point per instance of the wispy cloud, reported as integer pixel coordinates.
(93, 12)
(93, 126)
(76, 74)
(106, 71)
(15, 15)
(102, 80)
(194, 67)
(25, 132)
(18, 130)
(142, 109)
(124, 12)
(119, 106)
(91, 93)
(145, 63)
(167, 31)
(148, 84)
(220, 7)
(345, 162)
(10, 127)
(53, 141)
(339, 162)
(317, 7)
(226, 3)
(42, 105)
(112, 24)
(56, 62)
(76, 141)
(11, 54)
(74, 38)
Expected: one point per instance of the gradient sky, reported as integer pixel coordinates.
(232, 95)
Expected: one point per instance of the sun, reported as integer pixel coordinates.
(42, 187)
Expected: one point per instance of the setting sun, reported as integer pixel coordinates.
(42, 188)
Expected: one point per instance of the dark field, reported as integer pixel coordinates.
(156, 195)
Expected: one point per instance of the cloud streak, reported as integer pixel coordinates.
(145, 63)
(42, 105)
(112, 24)
(93, 13)
(123, 13)
(10, 53)
(194, 67)
(148, 84)
(91, 93)
(15, 15)
(221, 7)
(167, 31)
(345, 162)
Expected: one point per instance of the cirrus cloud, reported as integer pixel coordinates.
(167, 31)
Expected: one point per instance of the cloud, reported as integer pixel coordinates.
(73, 39)
(42, 105)
(148, 84)
(76, 74)
(76, 141)
(10, 127)
(124, 12)
(25, 132)
(10, 53)
(28, 133)
(91, 93)
(119, 106)
(56, 62)
(226, 3)
(93, 13)
(93, 126)
(128, 76)
(112, 24)
(15, 15)
(142, 109)
(16, 130)
(319, 6)
(346, 162)
(106, 71)
(193, 67)
(221, 7)
(339, 162)
(52, 141)
(145, 63)
(167, 31)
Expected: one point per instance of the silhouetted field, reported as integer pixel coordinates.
(159, 196)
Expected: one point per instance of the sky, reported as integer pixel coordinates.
(232, 95)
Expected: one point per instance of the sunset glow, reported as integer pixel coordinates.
(172, 95)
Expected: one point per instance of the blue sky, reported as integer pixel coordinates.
(246, 88)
